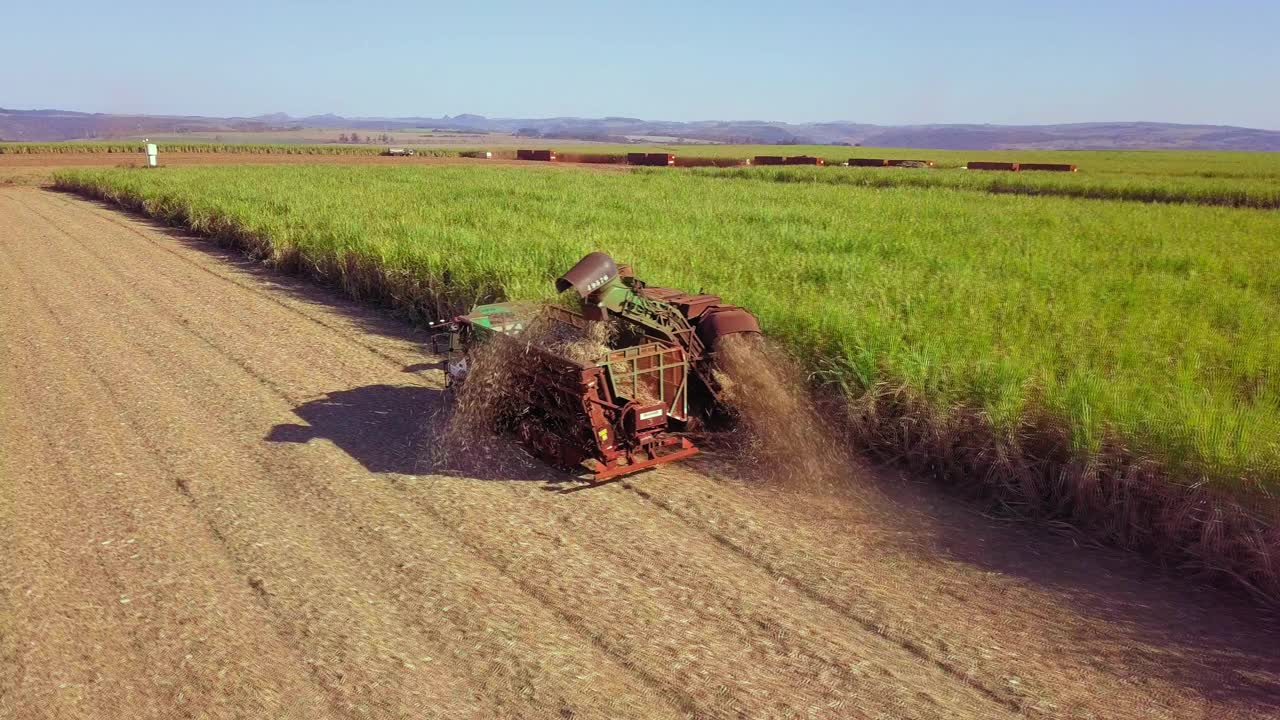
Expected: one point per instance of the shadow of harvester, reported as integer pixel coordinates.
(383, 427)
(400, 429)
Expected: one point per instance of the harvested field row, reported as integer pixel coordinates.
(964, 340)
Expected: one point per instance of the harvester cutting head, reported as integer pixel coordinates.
(624, 408)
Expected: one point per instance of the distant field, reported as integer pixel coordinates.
(1205, 164)
(1154, 324)
(1255, 191)
(137, 148)
(1161, 163)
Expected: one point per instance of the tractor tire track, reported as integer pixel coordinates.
(801, 587)
(393, 350)
(595, 635)
(686, 704)
(326, 503)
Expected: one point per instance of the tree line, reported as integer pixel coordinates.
(354, 138)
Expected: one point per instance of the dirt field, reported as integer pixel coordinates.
(210, 506)
(37, 169)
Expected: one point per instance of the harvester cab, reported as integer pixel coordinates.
(610, 407)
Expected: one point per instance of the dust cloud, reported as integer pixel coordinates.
(778, 432)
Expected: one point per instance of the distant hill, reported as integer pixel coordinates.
(1081, 136)
(54, 125)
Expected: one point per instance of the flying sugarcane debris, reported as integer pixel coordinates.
(609, 390)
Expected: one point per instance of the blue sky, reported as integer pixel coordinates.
(791, 60)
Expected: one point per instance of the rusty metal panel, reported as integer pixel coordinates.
(543, 155)
(987, 165)
(1053, 167)
(725, 320)
(685, 161)
(803, 160)
(867, 162)
(768, 160)
(593, 271)
(651, 159)
(592, 158)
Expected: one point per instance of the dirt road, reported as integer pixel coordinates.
(210, 506)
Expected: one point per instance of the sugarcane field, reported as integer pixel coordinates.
(550, 414)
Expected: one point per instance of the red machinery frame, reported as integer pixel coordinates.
(610, 418)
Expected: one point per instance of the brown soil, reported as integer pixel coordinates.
(210, 507)
(38, 169)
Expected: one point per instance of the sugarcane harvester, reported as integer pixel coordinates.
(627, 409)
